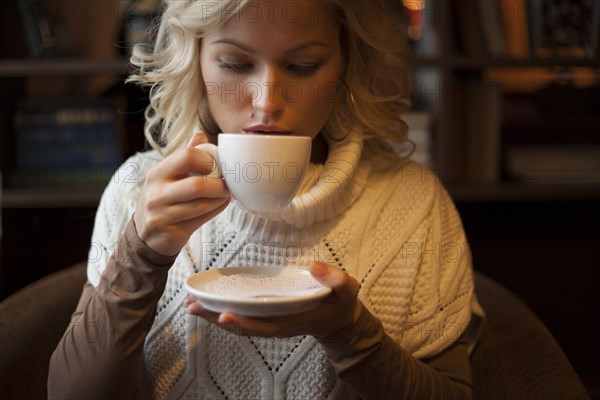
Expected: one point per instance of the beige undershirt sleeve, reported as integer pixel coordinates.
(375, 367)
(101, 354)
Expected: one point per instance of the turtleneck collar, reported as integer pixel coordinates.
(326, 192)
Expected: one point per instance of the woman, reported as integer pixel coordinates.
(377, 229)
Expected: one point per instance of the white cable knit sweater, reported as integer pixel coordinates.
(395, 231)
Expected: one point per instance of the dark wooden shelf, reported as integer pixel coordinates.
(51, 198)
(513, 192)
(66, 198)
(459, 62)
(419, 61)
(62, 67)
(475, 63)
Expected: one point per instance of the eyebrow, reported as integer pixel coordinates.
(249, 49)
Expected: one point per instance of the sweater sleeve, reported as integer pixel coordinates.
(374, 366)
(101, 354)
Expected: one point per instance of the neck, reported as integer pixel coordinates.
(319, 151)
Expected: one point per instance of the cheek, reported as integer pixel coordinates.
(213, 82)
(213, 79)
(325, 97)
(223, 103)
(318, 106)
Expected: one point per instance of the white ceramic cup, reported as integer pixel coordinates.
(262, 172)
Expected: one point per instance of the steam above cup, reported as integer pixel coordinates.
(262, 172)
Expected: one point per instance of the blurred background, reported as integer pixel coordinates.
(506, 110)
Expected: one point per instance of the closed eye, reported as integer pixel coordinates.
(235, 67)
(303, 69)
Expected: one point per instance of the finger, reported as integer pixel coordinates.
(197, 138)
(183, 162)
(205, 167)
(200, 162)
(193, 188)
(188, 300)
(343, 285)
(195, 308)
(293, 325)
(166, 237)
(287, 326)
(192, 224)
(189, 210)
(224, 320)
(251, 326)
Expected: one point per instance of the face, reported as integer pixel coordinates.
(273, 68)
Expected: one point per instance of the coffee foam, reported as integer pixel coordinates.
(248, 285)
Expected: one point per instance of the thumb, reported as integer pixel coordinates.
(343, 285)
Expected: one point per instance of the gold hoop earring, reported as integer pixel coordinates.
(353, 119)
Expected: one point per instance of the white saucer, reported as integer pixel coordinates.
(257, 291)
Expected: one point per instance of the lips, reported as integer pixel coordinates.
(267, 130)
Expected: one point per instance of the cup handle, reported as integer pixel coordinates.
(211, 149)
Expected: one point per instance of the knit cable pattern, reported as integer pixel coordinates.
(390, 235)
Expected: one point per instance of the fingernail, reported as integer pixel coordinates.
(224, 319)
(319, 268)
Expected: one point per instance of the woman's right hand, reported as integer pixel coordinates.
(178, 197)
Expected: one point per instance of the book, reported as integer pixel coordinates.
(452, 169)
(564, 28)
(515, 26)
(419, 21)
(468, 29)
(65, 140)
(483, 132)
(44, 34)
(419, 132)
(490, 20)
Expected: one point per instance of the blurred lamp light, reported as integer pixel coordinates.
(414, 11)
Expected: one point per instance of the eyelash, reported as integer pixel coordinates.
(236, 68)
(241, 68)
(303, 70)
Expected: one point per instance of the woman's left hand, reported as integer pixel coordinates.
(340, 309)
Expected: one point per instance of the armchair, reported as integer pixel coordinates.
(517, 357)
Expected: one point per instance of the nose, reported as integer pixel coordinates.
(268, 96)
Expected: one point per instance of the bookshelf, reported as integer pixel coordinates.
(72, 66)
(20, 70)
(45, 229)
(47, 224)
(536, 234)
(452, 66)
(88, 67)
(486, 147)
(50, 198)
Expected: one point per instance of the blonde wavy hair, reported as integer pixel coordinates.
(374, 51)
